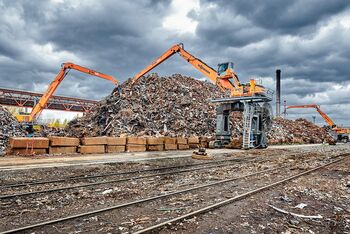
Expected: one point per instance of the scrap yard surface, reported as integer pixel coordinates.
(132, 196)
(201, 117)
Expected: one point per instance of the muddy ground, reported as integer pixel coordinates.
(325, 193)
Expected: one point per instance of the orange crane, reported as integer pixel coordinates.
(244, 97)
(343, 133)
(225, 77)
(66, 67)
(324, 115)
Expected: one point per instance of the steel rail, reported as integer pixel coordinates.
(216, 205)
(23, 184)
(135, 202)
(233, 199)
(115, 181)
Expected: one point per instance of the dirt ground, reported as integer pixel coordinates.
(324, 193)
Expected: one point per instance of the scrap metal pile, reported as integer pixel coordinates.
(176, 106)
(171, 106)
(297, 131)
(8, 127)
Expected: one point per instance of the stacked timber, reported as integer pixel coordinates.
(63, 145)
(29, 145)
(116, 144)
(93, 145)
(193, 142)
(182, 143)
(170, 143)
(155, 143)
(136, 144)
(204, 142)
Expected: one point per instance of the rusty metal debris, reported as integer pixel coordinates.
(8, 127)
(297, 131)
(177, 106)
(172, 106)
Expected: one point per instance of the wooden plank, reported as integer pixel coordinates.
(136, 141)
(115, 148)
(94, 140)
(155, 147)
(92, 149)
(116, 141)
(27, 151)
(181, 141)
(170, 140)
(63, 150)
(135, 148)
(183, 147)
(170, 146)
(29, 142)
(64, 141)
(193, 140)
(155, 140)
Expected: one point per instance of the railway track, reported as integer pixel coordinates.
(206, 208)
(221, 163)
(85, 177)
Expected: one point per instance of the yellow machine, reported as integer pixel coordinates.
(225, 77)
(251, 99)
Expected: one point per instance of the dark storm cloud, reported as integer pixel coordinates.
(282, 16)
(111, 37)
(304, 38)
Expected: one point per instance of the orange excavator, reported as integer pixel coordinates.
(244, 97)
(342, 134)
(66, 67)
(225, 77)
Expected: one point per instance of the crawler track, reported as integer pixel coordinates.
(198, 187)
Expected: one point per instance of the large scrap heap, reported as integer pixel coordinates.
(176, 106)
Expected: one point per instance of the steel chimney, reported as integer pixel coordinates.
(278, 93)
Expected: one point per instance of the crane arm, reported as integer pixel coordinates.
(324, 115)
(56, 82)
(197, 63)
(326, 118)
(167, 54)
(205, 69)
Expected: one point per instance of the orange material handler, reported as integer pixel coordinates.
(338, 130)
(38, 108)
(225, 77)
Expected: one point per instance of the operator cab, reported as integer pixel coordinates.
(222, 67)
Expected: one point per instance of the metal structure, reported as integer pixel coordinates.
(20, 98)
(278, 93)
(257, 120)
(65, 68)
(339, 133)
(245, 97)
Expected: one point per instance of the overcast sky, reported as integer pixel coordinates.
(307, 39)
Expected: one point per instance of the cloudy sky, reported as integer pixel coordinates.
(307, 39)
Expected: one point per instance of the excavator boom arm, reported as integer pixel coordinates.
(167, 54)
(56, 82)
(195, 62)
(324, 115)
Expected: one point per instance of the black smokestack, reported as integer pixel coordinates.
(278, 92)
